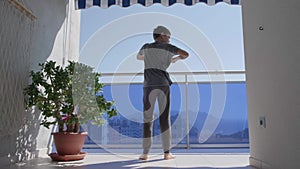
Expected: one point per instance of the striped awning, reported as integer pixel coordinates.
(83, 4)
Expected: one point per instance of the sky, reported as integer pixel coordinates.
(110, 38)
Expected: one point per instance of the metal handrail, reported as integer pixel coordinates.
(177, 73)
(184, 75)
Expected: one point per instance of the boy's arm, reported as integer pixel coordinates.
(182, 54)
(139, 57)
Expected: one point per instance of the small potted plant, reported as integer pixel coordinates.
(68, 97)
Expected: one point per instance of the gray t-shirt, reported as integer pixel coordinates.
(157, 58)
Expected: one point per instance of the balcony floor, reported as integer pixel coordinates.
(128, 159)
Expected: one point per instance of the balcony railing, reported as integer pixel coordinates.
(208, 109)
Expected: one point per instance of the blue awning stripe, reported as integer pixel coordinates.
(142, 2)
(188, 2)
(96, 2)
(235, 2)
(83, 4)
(171, 2)
(125, 3)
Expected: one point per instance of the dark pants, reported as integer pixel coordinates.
(162, 94)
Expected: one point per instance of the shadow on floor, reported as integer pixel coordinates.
(127, 164)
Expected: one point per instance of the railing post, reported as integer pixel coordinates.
(187, 113)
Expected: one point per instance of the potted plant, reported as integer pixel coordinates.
(68, 97)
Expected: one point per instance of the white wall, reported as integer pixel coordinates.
(24, 44)
(57, 31)
(272, 57)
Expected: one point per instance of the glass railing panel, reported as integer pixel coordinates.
(229, 127)
(126, 127)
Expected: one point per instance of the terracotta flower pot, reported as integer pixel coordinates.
(69, 143)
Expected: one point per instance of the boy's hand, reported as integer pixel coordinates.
(175, 59)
